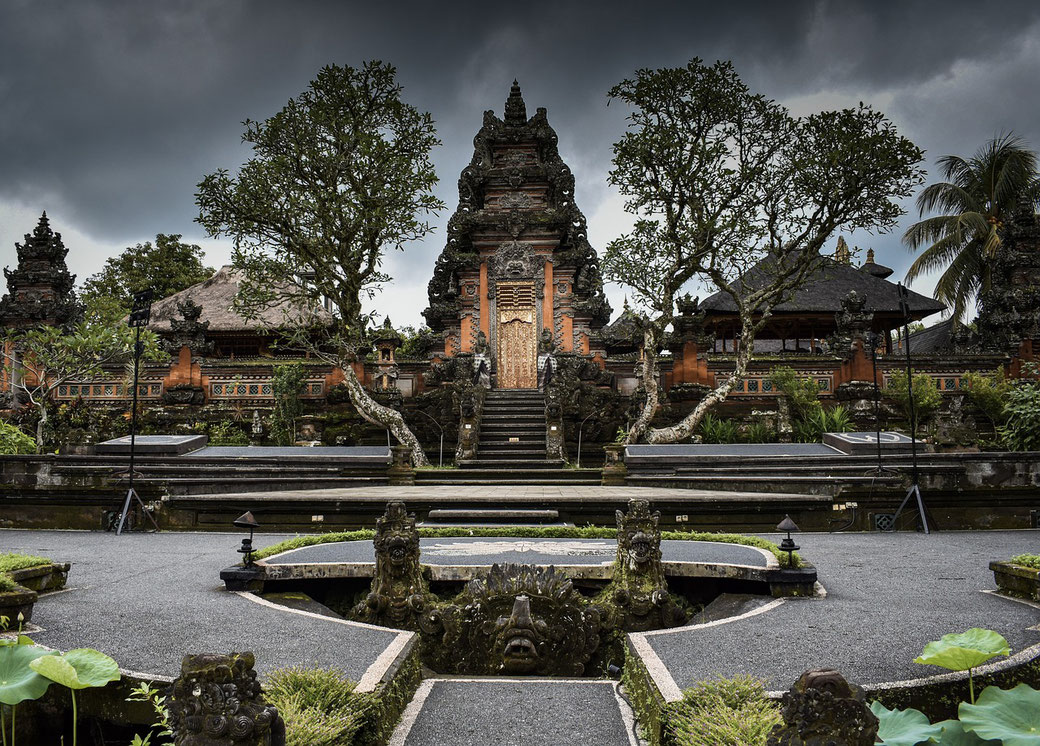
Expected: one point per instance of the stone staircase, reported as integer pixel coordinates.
(511, 448)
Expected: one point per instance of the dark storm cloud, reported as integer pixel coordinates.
(113, 111)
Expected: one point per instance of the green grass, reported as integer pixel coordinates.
(318, 705)
(728, 712)
(11, 562)
(529, 532)
(1027, 560)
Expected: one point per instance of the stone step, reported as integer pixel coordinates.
(505, 478)
(506, 463)
(497, 452)
(490, 515)
(506, 417)
(508, 438)
(501, 428)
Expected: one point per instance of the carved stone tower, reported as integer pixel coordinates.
(517, 260)
(40, 288)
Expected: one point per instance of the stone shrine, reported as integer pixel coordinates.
(517, 267)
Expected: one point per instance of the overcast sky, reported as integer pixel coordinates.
(112, 112)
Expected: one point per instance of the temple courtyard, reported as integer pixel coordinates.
(146, 599)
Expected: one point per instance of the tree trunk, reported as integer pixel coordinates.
(685, 428)
(651, 403)
(386, 417)
(41, 426)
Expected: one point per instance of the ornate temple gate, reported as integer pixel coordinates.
(517, 335)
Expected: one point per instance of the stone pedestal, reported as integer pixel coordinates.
(400, 473)
(614, 469)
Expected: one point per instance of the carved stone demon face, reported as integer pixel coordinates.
(397, 553)
(640, 551)
(639, 538)
(521, 638)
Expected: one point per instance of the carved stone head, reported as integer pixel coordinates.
(397, 540)
(639, 538)
(520, 619)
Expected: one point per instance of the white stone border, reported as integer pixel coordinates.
(377, 670)
(655, 667)
(414, 708)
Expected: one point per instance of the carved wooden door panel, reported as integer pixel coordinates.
(517, 337)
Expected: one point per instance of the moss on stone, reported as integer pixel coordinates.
(9, 562)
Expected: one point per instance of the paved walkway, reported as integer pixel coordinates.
(148, 599)
(887, 596)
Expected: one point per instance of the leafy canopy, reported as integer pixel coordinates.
(972, 204)
(339, 177)
(166, 267)
(721, 177)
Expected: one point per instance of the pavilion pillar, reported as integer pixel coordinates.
(547, 299)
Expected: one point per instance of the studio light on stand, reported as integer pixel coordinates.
(915, 490)
(140, 314)
(788, 545)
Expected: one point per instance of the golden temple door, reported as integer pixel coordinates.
(517, 336)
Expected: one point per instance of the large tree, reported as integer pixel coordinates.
(338, 178)
(166, 267)
(722, 180)
(975, 200)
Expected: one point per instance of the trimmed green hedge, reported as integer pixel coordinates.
(529, 532)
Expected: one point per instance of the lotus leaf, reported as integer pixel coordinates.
(82, 668)
(953, 734)
(964, 650)
(18, 681)
(1009, 715)
(903, 727)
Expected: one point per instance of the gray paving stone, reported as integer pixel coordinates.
(148, 599)
(510, 712)
(485, 551)
(887, 595)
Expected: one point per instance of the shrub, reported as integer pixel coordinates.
(1027, 560)
(801, 393)
(811, 428)
(11, 562)
(759, 432)
(286, 384)
(13, 440)
(227, 433)
(716, 430)
(729, 712)
(1021, 431)
(319, 706)
(927, 396)
(988, 392)
(6, 584)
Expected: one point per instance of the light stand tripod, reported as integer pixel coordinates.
(140, 314)
(915, 490)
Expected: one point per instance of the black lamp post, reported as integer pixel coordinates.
(788, 545)
(246, 520)
(140, 314)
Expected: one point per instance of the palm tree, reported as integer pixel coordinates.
(976, 199)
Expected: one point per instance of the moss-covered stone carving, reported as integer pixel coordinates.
(399, 593)
(217, 701)
(638, 589)
(518, 620)
(823, 708)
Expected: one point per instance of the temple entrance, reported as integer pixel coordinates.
(517, 337)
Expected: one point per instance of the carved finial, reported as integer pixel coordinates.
(516, 110)
(870, 256)
(842, 253)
